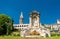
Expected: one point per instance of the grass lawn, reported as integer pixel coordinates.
(18, 37)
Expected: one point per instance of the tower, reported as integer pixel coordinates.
(21, 18)
(58, 21)
(34, 19)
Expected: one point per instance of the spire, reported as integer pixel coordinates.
(21, 16)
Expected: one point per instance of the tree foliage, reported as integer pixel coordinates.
(6, 24)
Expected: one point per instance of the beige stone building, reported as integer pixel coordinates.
(34, 28)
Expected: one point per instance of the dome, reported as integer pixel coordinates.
(34, 12)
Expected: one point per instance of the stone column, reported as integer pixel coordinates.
(51, 27)
(30, 22)
(38, 21)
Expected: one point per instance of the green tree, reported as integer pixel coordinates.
(6, 24)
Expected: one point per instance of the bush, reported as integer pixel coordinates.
(55, 34)
(15, 34)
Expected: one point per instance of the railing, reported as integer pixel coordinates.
(20, 26)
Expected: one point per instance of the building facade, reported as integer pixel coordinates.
(34, 28)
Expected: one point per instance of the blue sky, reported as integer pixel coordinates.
(49, 9)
